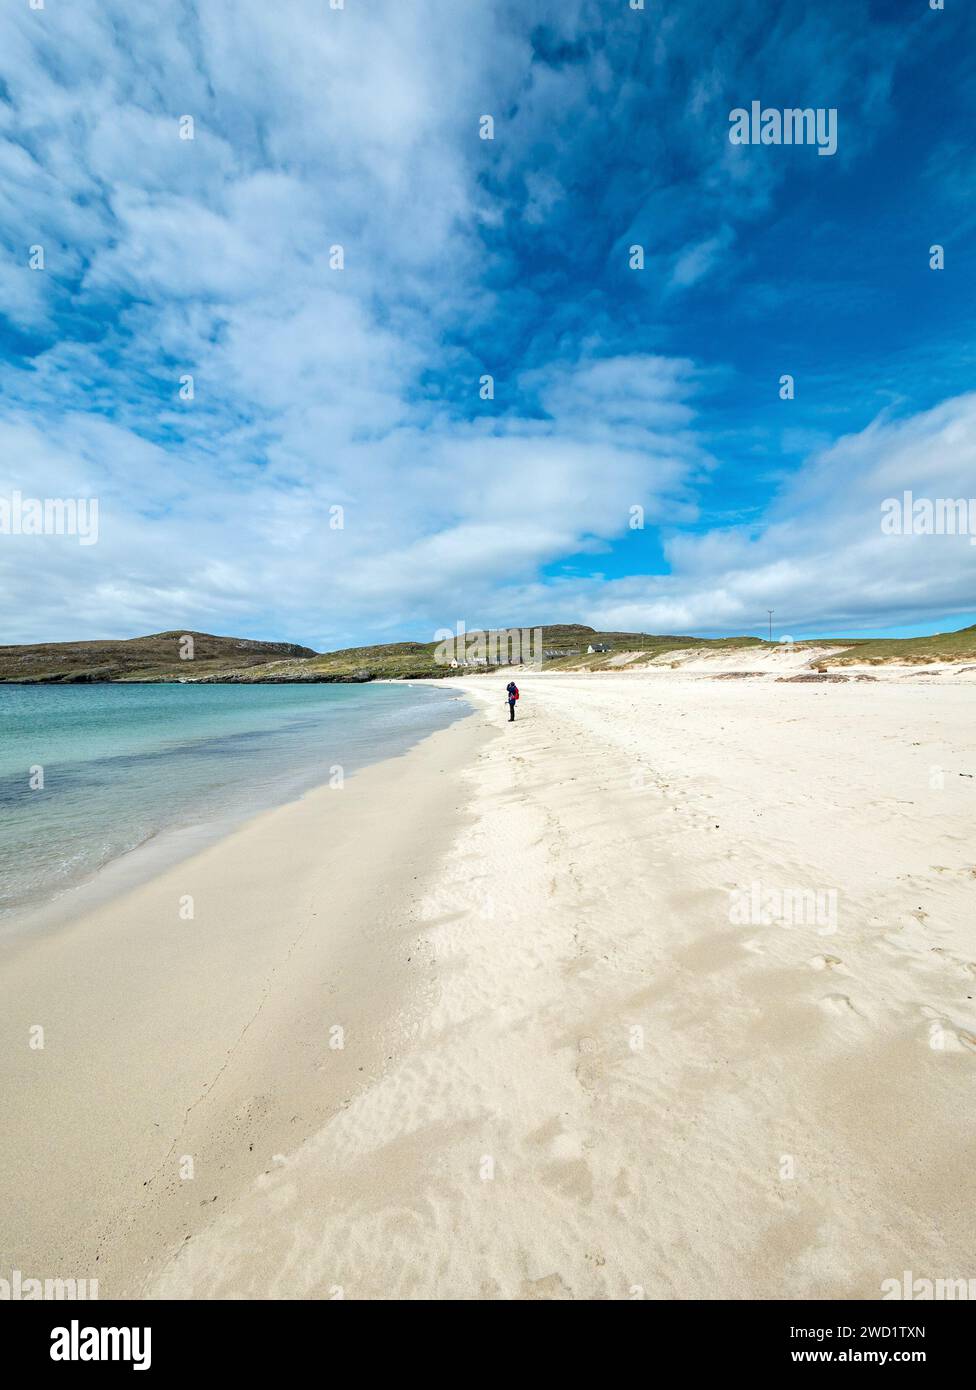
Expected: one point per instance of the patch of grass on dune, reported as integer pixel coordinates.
(943, 646)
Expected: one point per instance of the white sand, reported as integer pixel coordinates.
(598, 1085)
(211, 1039)
(528, 1142)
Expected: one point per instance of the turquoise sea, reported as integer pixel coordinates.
(125, 765)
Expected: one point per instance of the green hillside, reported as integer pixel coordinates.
(139, 658)
(565, 648)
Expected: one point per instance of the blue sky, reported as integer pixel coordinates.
(316, 387)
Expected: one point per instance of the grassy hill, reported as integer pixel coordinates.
(642, 647)
(566, 649)
(389, 661)
(235, 659)
(565, 646)
(139, 658)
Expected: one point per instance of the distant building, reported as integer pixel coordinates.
(599, 647)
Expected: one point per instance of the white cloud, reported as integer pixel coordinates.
(695, 262)
(819, 559)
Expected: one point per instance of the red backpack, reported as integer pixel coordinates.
(513, 694)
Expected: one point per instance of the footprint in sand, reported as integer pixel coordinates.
(964, 967)
(841, 1005)
(572, 1178)
(589, 1068)
(552, 1286)
(944, 1036)
(825, 962)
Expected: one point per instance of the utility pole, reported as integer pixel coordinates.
(770, 611)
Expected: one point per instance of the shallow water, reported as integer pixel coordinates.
(88, 773)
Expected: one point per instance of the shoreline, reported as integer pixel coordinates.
(163, 849)
(208, 1040)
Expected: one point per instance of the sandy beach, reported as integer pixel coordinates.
(180, 1057)
(665, 991)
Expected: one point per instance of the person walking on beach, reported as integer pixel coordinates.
(513, 694)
